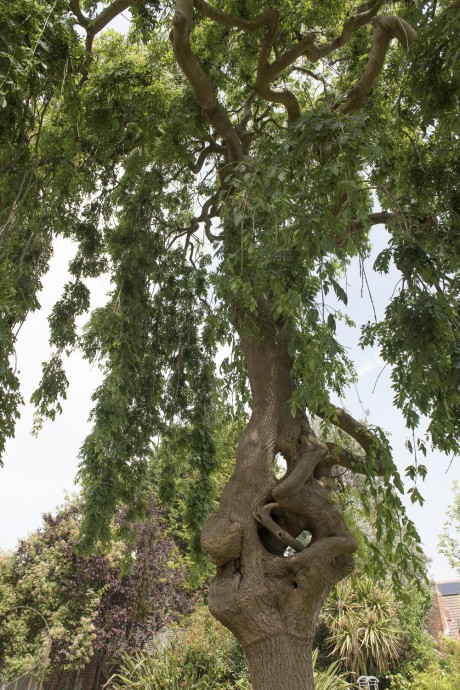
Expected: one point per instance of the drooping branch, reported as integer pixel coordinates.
(385, 29)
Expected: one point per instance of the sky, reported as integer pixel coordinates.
(40, 471)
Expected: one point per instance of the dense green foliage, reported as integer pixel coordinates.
(441, 672)
(177, 478)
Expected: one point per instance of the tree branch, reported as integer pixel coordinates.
(364, 15)
(323, 551)
(311, 454)
(385, 30)
(248, 25)
(366, 439)
(76, 9)
(266, 72)
(202, 87)
(110, 12)
(204, 155)
(381, 217)
(208, 212)
(263, 515)
(338, 455)
(94, 26)
(265, 75)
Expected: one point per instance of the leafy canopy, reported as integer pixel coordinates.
(109, 149)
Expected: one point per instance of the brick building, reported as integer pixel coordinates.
(444, 617)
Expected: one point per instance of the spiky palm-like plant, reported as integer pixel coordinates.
(365, 633)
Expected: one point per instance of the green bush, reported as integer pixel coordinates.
(441, 672)
(435, 677)
(330, 678)
(202, 656)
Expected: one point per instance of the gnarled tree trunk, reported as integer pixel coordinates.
(268, 599)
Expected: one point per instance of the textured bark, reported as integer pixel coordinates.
(271, 601)
(280, 662)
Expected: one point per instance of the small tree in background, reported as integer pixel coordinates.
(91, 604)
(449, 541)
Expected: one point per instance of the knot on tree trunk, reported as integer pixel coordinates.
(221, 539)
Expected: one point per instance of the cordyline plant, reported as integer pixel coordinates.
(221, 164)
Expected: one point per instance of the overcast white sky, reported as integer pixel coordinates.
(40, 471)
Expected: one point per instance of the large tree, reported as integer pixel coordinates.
(222, 163)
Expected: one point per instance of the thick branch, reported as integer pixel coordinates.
(109, 13)
(202, 87)
(93, 26)
(265, 77)
(323, 551)
(307, 47)
(381, 217)
(368, 442)
(385, 30)
(248, 25)
(343, 457)
(266, 73)
(365, 14)
(311, 453)
(269, 20)
(76, 9)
